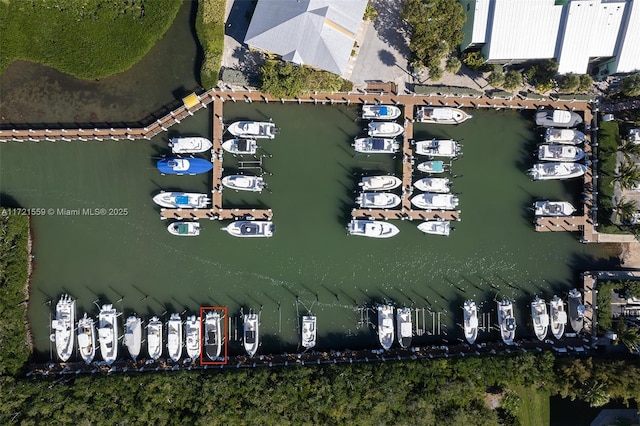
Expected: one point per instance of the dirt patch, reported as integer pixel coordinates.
(630, 255)
(492, 400)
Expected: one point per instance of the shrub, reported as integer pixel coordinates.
(453, 65)
(435, 73)
(474, 60)
(568, 83)
(370, 13)
(631, 85)
(586, 82)
(286, 80)
(234, 77)
(496, 78)
(512, 80)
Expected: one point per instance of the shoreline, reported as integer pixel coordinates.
(27, 286)
(630, 255)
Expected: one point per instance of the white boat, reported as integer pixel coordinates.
(405, 327)
(372, 228)
(186, 200)
(540, 318)
(108, 333)
(558, 317)
(383, 129)
(436, 227)
(376, 145)
(133, 335)
(309, 331)
(547, 171)
(192, 333)
(240, 146)
(438, 148)
(470, 321)
(87, 338)
(380, 112)
(558, 152)
(154, 338)
(379, 183)
(553, 208)
(213, 335)
(436, 166)
(62, 327)
(189, 145)
(440, 185)
(506, 321)
(378, 200)
(429, 201)
(250, 228)
(557, 118)
(385, 326)
(184, 229)
(174, 337)
(253, 129)
(564, 136)
(251, 333)
(244, 183)
(441, 115)
(576, 310)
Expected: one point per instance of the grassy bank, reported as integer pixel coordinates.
(534, 408)
(210, 29)
(285, 80)
(608, 147)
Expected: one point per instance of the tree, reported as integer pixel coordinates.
(625, 210)
(630, 150)
(474, 60)
(568, 83)
(512, 80)
(453, 65)
(586, 82)
(628, 175)
(630, 337)
(435, 73)
(631, 85)
(496, 78)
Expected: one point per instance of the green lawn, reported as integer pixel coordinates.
(534, 408)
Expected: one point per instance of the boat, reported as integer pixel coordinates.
(309, 331)
(385, 326)
(441, 115)
(540, 318)
(213, 335)
(436, 227)
(379, 183)
(436, 166)
(186, 200)
(557, 118)
(380, 112)
(383, 129)
(429, 201)
(253, 129)
(240, 146)
(189, 145)
(576, 310)
(558, 317)
(174, 337)
(564, 136)
(192, 333)
(62, 327)
(405, 327)
(372, 228)
(438, 148)
(87, 338)
(108, 333)
(251, 333)
(558, 152)
(376, 145)
(440, 185)
(547, 171)
(244, 183)
(184, 229)
(133, 335)
(378, 200)
(553, 208)
(250, 228)
(470, 321)
(154, 338)
(184, 166)
(506, 321)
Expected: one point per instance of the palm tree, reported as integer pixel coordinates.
(630, 337)
(628, 175)
(630, 150)
(625, 210)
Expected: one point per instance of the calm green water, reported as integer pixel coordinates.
(310, 263)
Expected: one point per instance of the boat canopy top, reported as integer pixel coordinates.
(377, 144)
(561, 116)
(383, 110)
(182, 199)
(437, 166)
(510, 324)
(183, 228)
(442, 114)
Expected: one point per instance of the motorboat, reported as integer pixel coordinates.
(154, 338)
(251, 333)
(430, 201)
(405, 327)
(379, 183)
(470, 321)
(108, 333)
(558, 152)
(506, 321)
(576, 310)
(87, 338)
(383, 129)
(244, 183)
(553, 208)
(174, 337)
(184, 200)
(547, 171)
(438, 148)
(372, 228)
(240, 146)
(564, 136)
(440, 185)
(184, 229)
(250, 228)
(309, 332)
(184, 166)
(62, 327)
(385, 326)
(192, 334)
(378, 200)
(540, 318)
(213, 335)
(557, 118)
(253, 129)
(189, 145)
(380, 112)
(558, 317)
(441, 115)
(436, 227)
(376, 145)
(435, 166)
(133, 335)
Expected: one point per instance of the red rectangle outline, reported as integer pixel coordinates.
(226, 329)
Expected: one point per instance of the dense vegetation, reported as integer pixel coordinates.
(88, 39)
(210, 29)
(631, 85)
(608, 147)
(286, 80)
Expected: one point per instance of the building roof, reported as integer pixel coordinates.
(629, 54)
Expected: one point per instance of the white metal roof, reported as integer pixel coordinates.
(629, 50)
(480, 19)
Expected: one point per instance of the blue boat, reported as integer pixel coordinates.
(184, 166)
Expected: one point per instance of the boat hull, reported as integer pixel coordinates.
(379, 183)
(213, 335)
(576, 310)
(429, 201)
(179, 200)
(378, 200)
(376, 145)
(404, 325)
(558, 317)
(556, 171)
(380, 112)
(553, 208)
(184, 229)
(435, 227)
(87, 338)
(250, 229)
(431, 167)
(446, 148)
(63, 326)
(174, 337)
(564, 136)
(253, 129)
(560, 153)
(184, 166)
(251, 335)
(557, 118)
(383, 129)
(437, 185)
(540, 318)
(133, 336)
(192, 333)
(244, 183)
(154, 338)
(372, 229)
(189, 145)
(108, 333)
(309, 331)
(506, 322)
(442, 115)
(385, 326)
(470, 321)
(240, 146)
